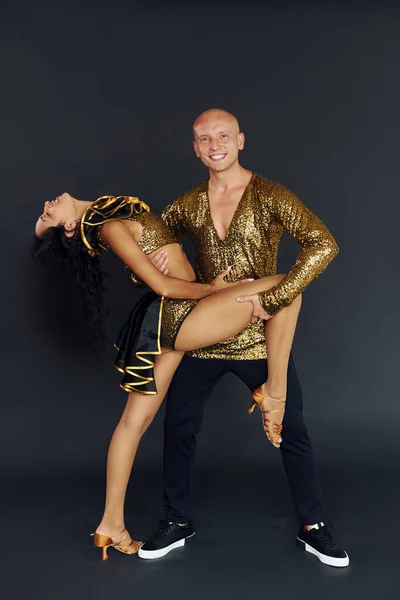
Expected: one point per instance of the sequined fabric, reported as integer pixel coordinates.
(155, 234)
(153, 322)
(251, 245)
(318, 248)
(110, 208)
(174, 313)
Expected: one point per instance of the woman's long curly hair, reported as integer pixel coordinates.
(77, 282)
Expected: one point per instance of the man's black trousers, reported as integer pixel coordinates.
(190, 389)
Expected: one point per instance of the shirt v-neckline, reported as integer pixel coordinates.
(220, 240)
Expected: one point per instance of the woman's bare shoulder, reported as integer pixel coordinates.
(113, 228)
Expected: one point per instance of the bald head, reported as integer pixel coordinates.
(213, 117)
(217, 139)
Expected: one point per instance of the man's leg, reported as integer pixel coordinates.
(190, 389)
(298, 457)
(296, 447)
(298, 460)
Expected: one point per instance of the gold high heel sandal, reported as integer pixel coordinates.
(272, 430)
(104, 542)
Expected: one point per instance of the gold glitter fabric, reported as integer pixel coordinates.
(174, 313)
(318, 247)
(251, 246)
(155, 233)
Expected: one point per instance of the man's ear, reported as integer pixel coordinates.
(196, 149)
(241, 141)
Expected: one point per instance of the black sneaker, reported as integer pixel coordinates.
(319, 541)
(169, 536)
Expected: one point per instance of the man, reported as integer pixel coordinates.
(237, 218)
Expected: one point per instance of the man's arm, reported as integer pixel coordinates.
(318, 248)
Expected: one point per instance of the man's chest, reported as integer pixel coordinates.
(227, 225)
(223, 208)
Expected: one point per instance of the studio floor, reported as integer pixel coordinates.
(244, 545)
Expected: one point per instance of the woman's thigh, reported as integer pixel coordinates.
(219, 316)
(143, 407)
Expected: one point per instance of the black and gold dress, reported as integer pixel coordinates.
(154, 321)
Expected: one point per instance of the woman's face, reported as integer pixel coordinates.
(59, 211)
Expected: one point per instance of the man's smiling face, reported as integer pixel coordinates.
(217, 139)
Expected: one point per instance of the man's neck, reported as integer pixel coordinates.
(233, 177)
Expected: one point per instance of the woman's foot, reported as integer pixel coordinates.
(117, 538)
(272, 395)
(272, 405)
(118, 534)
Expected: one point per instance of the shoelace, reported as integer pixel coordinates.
(166, 527)
(324, 537)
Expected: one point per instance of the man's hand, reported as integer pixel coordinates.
(160, 260)
(258, 311)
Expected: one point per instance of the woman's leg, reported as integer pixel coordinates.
(136, 418)
(218, 317)
(279, 334)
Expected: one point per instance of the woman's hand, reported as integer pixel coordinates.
(160, 260)
(220, 283)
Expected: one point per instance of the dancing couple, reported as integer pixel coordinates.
(235, 314)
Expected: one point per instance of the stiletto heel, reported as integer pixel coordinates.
(272, 430)
(105, 541)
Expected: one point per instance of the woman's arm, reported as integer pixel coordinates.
(119, 239)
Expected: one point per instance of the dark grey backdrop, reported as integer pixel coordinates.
(100, 99)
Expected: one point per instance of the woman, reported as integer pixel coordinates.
(177, 316)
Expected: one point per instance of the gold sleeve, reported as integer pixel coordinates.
(318, 247)
(174, 216)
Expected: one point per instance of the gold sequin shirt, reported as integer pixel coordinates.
(265, 210)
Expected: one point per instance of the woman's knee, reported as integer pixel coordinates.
(135, 422)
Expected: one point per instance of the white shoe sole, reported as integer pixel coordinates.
(327, 560)
(150, 554)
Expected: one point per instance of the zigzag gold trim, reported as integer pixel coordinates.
(150, 364)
